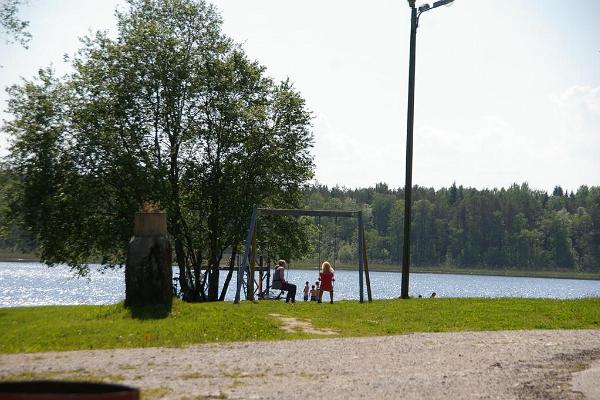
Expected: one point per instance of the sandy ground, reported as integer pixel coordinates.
(482, 365)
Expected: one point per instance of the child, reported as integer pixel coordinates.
(327, 279)
(313, 294)
(318, 290)
(306, 290)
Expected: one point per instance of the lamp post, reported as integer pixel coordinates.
(414, 23)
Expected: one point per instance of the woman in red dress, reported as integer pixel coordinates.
(327, 279)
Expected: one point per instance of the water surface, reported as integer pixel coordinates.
(30, 283)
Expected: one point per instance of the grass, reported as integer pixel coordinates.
(34, 329)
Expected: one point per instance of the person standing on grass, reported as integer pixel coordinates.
(280, 282)
(326, 277)
(313, 293)
(306, 290)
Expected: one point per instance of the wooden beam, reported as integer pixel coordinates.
(292, 212)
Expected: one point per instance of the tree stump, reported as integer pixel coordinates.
(148, 271)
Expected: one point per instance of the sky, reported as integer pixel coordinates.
(507, 91)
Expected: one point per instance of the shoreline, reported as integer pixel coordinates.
(391, 268)
(469, 271)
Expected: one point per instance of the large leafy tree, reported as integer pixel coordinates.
(170, 111)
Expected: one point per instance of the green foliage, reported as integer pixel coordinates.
(15, 242)
(171, 111)
(33, 329)
(516, 228)
(11, 26)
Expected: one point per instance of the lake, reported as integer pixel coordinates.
(30, 283)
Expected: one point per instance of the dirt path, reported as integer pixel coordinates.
(291, 325)
(482, 365)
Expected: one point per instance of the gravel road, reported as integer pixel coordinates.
(467, 365)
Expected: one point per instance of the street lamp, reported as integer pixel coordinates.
(414, 23)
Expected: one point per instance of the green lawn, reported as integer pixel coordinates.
(31, 329)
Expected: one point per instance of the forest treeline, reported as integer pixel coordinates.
(517, 227)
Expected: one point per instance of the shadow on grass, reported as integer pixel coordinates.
(159, 311)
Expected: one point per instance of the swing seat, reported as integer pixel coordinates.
(271, 295)
(277, 285)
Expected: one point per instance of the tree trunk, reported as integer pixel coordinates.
(229, 274)
(148, 271)
(213, 280)
(213, 266)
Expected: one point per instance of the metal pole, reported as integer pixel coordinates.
(414, 21)
(367, 276)
(360, 257)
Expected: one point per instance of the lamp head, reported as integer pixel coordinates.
(442, 3)
(424, 8)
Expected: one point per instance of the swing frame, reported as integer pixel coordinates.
(248, 264)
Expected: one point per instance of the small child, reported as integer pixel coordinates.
(313, 294)
(306, 290)
(318, 290)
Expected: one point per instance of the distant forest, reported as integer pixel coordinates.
(516, 227)
(462, 227)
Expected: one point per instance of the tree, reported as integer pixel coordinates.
(558, 191)
(582, 237)
(423, 233)
(171, 111)
(556, 227)
(396, 231)
(12, 237)
(381, 206)
(13, 28)
(37, 159)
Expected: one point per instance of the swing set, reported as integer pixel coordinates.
(248, 267)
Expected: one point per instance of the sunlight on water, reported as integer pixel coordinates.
(29, 284)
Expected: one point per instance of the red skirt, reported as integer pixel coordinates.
(326, 281)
